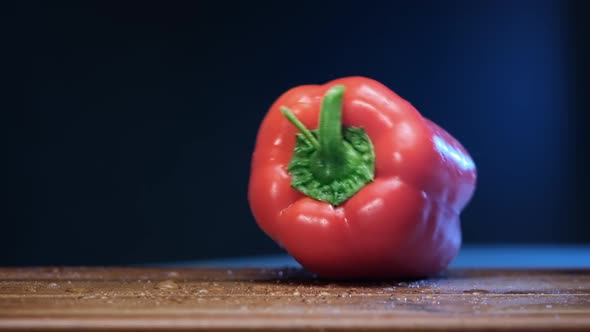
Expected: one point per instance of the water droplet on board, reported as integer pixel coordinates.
(399, 299)
(166, 284)
(53, 285)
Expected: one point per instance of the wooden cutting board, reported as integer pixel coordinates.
(289, 299)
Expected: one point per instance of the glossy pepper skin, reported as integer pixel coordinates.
(403, 223)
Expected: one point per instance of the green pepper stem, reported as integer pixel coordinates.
(342, 160)
(299, 125)
(330, 128)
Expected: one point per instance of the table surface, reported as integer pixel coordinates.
(271, 299)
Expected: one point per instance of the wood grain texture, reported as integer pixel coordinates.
(289, 299)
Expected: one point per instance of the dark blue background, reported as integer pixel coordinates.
(133, 122)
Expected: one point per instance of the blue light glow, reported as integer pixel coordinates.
(450, 152)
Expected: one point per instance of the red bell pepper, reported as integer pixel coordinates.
(376, 191)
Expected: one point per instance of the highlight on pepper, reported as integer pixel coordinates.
(353, 182)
